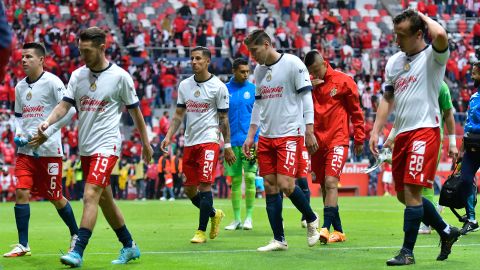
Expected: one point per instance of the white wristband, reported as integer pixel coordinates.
(452, 140)
(227, 145)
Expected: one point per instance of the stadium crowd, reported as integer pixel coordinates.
(157, 51)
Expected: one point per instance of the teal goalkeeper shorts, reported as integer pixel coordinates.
(240, 163)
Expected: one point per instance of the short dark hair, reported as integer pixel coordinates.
(310, 57)
(94, 34)
(38, 47)
(205, 51)
(257, 37)
(416, 23)
(238, 62)
(477, 64)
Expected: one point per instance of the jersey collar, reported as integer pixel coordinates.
(100, 71)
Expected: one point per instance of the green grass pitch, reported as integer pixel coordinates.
(163, 229)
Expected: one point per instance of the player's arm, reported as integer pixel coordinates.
(384, 109)
(174, 125)
(136, 114)
(356, 115)
(437, 33)
(252, 130)
(225, 129)
(308, 115)
(58, 113)
(20, 136)
(452, 138)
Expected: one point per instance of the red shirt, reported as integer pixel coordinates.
(145, 107)
(335, 101)
(476, 29)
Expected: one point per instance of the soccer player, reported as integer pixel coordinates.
(336, 101)
(413, 78)
(283, 99)
(98, 90)
(204, 99)
(446, 108)
(5, 41)
(471, 156)
(35, 98)
(242, 97)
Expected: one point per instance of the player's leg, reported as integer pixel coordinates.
(250, 169)
(302, 183)
(65, 212)
(470, 165)
(24, 172)
(235, 172)
(250, 192)
(115, 219)
(267, 153)
(429, 195)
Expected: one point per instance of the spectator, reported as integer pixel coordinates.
(476, 33)
(227, 16)
(164, 124)
(240, 22)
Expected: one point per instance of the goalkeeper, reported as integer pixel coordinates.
(242, 97)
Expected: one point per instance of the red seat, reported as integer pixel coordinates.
(361, 25)
(446, 17)
(368, 7)
(377, 19)
(141, 16)
(169, 11)
(383, 12)
(366, 19)
(354, 12)
(462, 26)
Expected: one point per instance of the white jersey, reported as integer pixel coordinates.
(34, 101)
(202, 101)
(277, 92)
(416, 81)
(99, 97)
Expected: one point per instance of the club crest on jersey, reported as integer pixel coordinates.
(93, 87)
(29, 96)
(197, 93)
(406, 67)
(269, 77)
(246, 95)
(333, 92)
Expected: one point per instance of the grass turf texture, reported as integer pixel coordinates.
(163, 229)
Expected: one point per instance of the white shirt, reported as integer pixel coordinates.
(99, 97)
(277, 93)
(34, 101)
(202, 101)
(416, 81)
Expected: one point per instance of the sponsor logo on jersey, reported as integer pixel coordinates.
(271, 92)
(89, 104)
(419, 147)
(32, 111)
(246, 95)
(403, 83)
(53, 168)
(209, 155)
(199, 107)
(305, 155)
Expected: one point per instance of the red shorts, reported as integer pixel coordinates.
(200, 162)
(303, 162)
(279, 155)
(43, 176)
(328, 162)
(97, 169)
(414, 158)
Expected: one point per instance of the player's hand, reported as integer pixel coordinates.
(165, 143)
(373, 143)
(43, 126)
(358, 149)
(453, 153)
(230, 157)
(38, 140)
(311, 142)
(246, 147)
(388, 144)
(316, 82)
(147, 153)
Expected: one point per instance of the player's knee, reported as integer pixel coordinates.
(22, 195)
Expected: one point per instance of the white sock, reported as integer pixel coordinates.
(447, 229)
